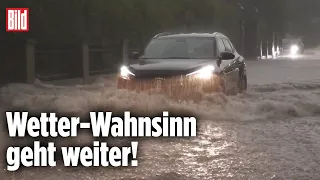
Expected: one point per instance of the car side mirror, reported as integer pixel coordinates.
(226, 56)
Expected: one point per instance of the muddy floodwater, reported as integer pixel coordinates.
(270, 132)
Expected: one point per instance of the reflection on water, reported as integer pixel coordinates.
(207, 154)
(270, 132)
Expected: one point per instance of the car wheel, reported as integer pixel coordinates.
(243, 84)
(232, 88)
(222, 86)
(238, 87)
(219, 85)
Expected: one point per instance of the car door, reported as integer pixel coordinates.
(227, 63)
(221, 48)
(231, 67)
(238, 62)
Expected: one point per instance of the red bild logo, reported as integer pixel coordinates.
(17, 19)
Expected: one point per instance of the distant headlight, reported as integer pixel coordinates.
(294, 49)
(125, 72)
(203, 73)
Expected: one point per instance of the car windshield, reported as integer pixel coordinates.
(180, 48)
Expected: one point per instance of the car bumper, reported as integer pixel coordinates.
(287, 52)
(172, 85)
(287, 55)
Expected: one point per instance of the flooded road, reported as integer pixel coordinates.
(270, 132)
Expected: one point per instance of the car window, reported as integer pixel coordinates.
(180, 47)
(220, 45)
(227, 44)
(231, 45)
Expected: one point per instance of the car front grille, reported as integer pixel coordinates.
(171, 85)
(152, 74)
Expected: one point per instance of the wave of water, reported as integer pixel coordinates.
(213, 152)
(260, 102)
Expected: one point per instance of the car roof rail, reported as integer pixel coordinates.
(215, 33)
(164, 34)
(172, 33)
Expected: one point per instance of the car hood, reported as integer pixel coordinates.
(167, 67)
(170, 64)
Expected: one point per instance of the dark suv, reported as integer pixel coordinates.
(180, 62)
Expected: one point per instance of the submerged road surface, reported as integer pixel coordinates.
(270, 132)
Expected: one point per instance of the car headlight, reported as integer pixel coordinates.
(203, 73)
(125, 72)
(294, 49)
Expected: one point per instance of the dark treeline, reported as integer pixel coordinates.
(106, 23)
